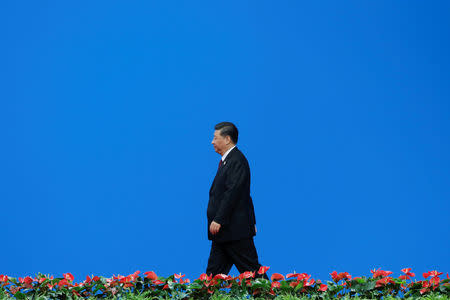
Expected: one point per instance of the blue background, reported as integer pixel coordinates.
(108, 111)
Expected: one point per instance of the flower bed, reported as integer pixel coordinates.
(379, 284)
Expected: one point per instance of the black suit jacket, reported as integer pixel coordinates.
(230, 203)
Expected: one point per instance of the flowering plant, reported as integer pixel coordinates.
(380, 284)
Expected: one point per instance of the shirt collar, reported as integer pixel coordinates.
(226, 153)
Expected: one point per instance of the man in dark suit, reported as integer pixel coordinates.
(231, 216)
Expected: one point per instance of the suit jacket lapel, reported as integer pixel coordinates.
(220, 170)
(230, 154)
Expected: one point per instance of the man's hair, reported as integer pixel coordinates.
(228, 128)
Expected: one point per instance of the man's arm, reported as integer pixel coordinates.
(238, 175)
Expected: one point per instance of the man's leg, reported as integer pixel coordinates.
(218, 262)
(243, 254)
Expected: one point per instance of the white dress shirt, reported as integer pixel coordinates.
(226, 153)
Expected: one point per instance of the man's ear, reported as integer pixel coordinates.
(228, 139)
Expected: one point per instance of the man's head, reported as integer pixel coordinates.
(225, 137)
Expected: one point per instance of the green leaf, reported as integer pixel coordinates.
(195, 285)
(20, 296)
(361, 280)
(299, 286)
(257, 283)
(285, 285)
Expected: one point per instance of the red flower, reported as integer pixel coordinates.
(432, 274)
(407, 272)
(343, 275)
(135, 275)
(309, 283)
(384, 281)
(223, 277)
(63, 282)
(96, 278)
(263, 270)
(335, 276)
(27, 282)
(277, 276)
(435, 281)
(213, 282)
(205, 277)
(151, 275)
(323, 287)
(303, 276)
(425, 285)
(298, 276)
(380, 273)
(246, 275)
(178, 276)
(68, 276)
(184, 281)
(15, 289)
(157, 281)
(276, 284)
(381, 282)
(127, 281)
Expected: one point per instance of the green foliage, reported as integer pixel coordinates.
(247, 285)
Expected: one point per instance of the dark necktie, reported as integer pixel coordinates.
(220, 164)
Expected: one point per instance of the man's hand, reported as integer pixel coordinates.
(214, 227)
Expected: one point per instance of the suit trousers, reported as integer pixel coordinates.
(241, 253)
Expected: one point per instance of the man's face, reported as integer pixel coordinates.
(220, 143)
